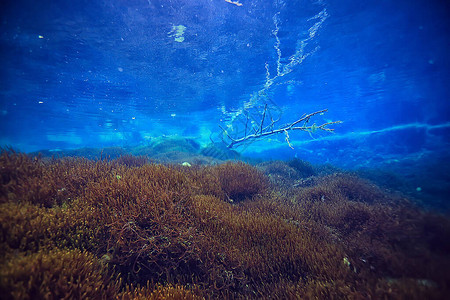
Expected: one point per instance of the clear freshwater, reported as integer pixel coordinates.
(225, 149)
(77, 74)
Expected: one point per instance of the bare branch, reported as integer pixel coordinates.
(269, 130)
(260, 114)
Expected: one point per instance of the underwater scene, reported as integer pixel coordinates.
(225, 149)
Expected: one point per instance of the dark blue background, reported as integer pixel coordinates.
(109, 73)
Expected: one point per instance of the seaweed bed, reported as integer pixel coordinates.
(128, 228)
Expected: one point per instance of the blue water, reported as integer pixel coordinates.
(98, 74)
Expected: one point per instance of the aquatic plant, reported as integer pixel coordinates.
(24, 178)
(160, 292)
(303, 168)
(230, 181)
(43, 181)
(262, 249)
(280, 174)
(382, 235)
(29, 228)
(151, 230)
(131, 160)
(57, 274)
(240, 181)
(144, 211)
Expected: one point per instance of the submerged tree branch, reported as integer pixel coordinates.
(262, 132)
(256, 119)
